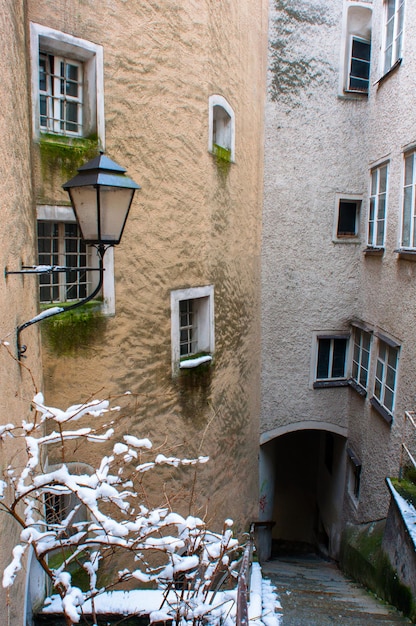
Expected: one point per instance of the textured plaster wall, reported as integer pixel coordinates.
(319, 146)
(192, 224)
(17, 295)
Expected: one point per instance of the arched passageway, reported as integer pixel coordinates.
(302, 490)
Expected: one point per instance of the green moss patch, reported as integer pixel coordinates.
(64, 155)
(363, 558)
(72, 332)
(406, 488)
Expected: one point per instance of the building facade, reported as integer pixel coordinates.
(338, 321)
(174, 93)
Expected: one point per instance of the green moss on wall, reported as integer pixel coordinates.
(363, 558)
(406, 488)
(293, 68)
(68, 334)
(64, 155)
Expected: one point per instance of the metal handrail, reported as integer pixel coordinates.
(243, 587)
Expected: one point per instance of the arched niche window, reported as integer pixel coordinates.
(357, 55)
(221, 137)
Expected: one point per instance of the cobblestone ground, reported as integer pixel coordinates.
(314, 592)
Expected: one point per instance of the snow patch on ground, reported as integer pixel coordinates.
(264, 606)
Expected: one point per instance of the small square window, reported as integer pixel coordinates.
(192, 327)
(348, 213)
(331, 361)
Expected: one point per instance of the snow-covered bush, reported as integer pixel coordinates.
(76, 521)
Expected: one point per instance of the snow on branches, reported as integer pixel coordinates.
(77, 518)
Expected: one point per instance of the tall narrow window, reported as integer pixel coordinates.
(60, 95)
(67, 84)
(394, 17)
(357, 48)
(409, 202)
(378, 207)
(359, 74)
(386, 375)
(361, 357)
(221, 122)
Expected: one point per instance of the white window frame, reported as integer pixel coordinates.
(366, 81)
(361, 357)
(357, 23)
(329, 381)
(66, 214)
(392, 34)
(375, 236)
(204, 299)
(55, 100)
(383, 383)
(90, 55)
(409, 202)
(229, 133)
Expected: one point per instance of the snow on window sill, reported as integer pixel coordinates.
(190, 363)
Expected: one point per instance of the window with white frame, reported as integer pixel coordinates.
(408, 238)
(357, 47)
(385, 377)
(60, 94)
(60, 244)
(378, 207)
(361, 357)
(331, 361)
(67, 84)
(393, 33)
(192, 327)
(221, 122)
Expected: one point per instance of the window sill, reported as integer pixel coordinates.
(407, 254)
(191, 363)
(389, 72)
(357, 388)
(326, 384)
(347, 239)
(385, 414)
(373, 251)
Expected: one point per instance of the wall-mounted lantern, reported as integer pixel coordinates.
(101, 195)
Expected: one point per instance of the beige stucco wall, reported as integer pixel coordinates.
(192, 224)
(18, 297)
(320, 146)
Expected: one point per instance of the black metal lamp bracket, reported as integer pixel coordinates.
(52, 269)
